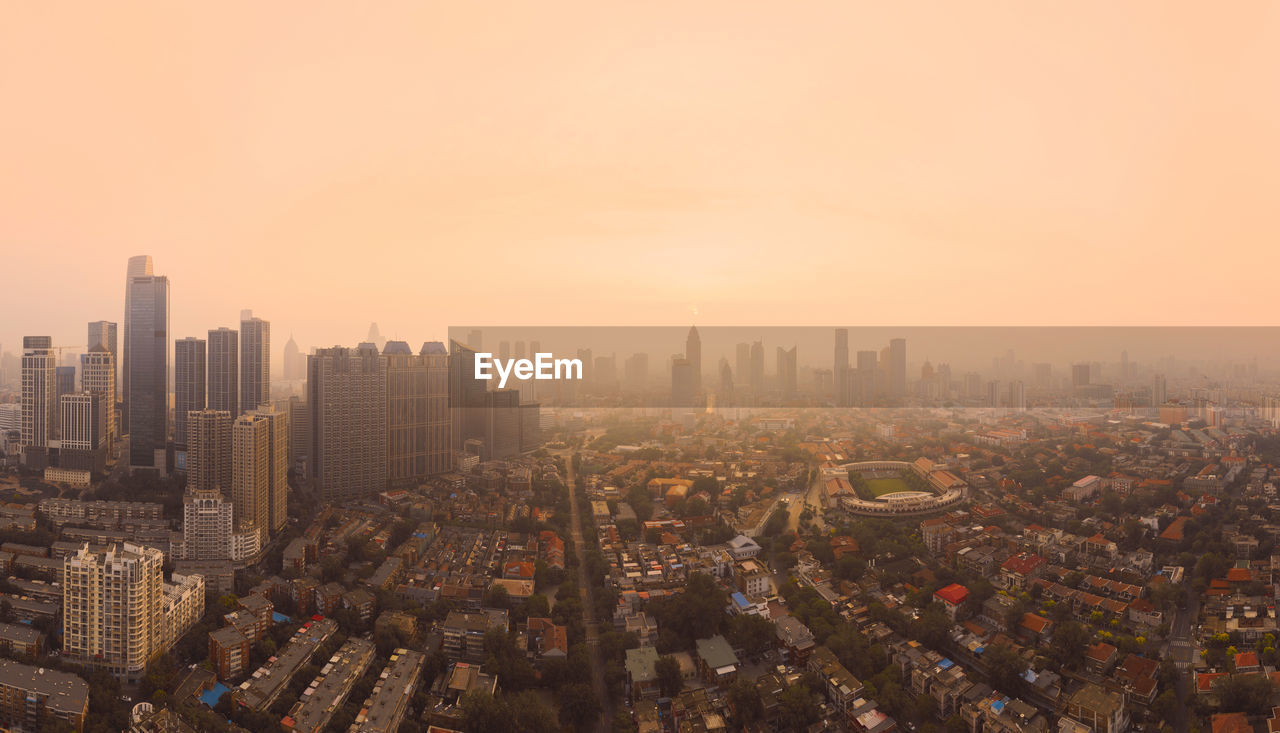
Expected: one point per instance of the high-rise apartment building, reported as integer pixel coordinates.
(265, 494)
(755, 373)
(251, 473)
(223, 391)
(683, 387)
(299, 435)
(841, 361)
(207, 525)
(897, 368)
(39, 394)
(787, 371)
(209, 451)
(147, 395)
(1080, 375)
(466, 396)
(112, 607)
(1159, 390)
(189, 361)
(139, 266)
(98, 375)
(255, 362)
(418, 421)
(346, 391)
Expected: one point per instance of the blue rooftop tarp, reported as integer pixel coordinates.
(280, 618)
(210, 697)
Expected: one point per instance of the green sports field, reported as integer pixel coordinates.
(882, 486)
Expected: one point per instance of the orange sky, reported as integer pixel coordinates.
(329, 164)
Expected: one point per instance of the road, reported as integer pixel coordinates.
(588, 607)
(1182, 650)
(811, 497)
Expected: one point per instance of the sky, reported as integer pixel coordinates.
(597, 163)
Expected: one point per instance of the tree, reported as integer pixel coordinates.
(1004, 666)
(1246, 693)
(797, 708)
(670, 680)
(529, 713)
(1068, 644)
(482, 712)
(751, 633)
(579, 706)
(745, 703)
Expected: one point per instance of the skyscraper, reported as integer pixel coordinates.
(224, 369)
(742, 362)
(897, 368)
(255, 363)
(418, 421)
(787, 371)
(347, 394)
(295, 365)
(139, 266)
(1017, 395)
(693, 352)
(98, 375)
(39, 396)
(1159, 390)
(841, 361)
(189, 362)
(251, 474)
(466, 395)
(209, 451)
(147, 398)
(756, 373)
(1080, 375)
(277, 419)
(683, 389)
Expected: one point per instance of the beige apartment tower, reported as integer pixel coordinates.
(209, 450)
(260, 470)
(112, 601)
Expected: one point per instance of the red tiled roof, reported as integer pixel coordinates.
(953, 594)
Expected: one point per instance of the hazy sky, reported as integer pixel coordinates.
(426, 164)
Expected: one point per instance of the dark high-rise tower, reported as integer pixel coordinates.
(147, 380)
(139, 266)
(347, 394)
(466, 395)
(224, 370)
(693, 352)
(255, 363)
(842, 352)
(787, 371)
(897, 368)
(189, 361)
(756, 376)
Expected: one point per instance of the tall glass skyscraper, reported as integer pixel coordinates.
(139, 266)
(147, 372)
